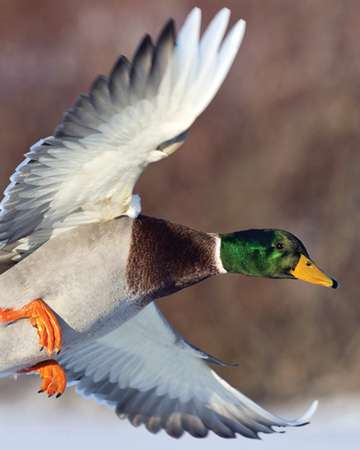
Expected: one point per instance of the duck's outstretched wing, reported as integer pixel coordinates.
(151, 376)
(139, 114)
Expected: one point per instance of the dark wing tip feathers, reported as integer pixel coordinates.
(149, 61)
(168, 33)
(143, 51)
(162, 52)
(122, 64)
(99, 84)
(141, 64)
(119, 80)
(126, 80)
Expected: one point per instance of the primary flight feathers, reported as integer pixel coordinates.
(86, 172)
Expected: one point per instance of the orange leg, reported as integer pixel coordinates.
(42, 318)
(52, 375)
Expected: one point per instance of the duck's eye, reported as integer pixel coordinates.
(279, 245)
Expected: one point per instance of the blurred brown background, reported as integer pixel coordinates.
(279, 147)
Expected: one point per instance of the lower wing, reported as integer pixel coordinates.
(152, 376)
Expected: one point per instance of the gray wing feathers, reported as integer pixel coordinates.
(87, 171)
(128, 82)
(151, 376)
(107, 96)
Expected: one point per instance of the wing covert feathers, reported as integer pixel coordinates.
(87, 170)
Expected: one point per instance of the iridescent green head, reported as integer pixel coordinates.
(272, 254)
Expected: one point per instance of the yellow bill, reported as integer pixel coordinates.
(306, 270)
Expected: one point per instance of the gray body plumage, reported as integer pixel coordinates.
(81, 275)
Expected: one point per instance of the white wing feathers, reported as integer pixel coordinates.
(86, 172)
(150, 375)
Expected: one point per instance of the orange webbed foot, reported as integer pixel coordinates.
(52, 375)
(42, 318)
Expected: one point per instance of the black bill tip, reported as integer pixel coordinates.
(335, 284)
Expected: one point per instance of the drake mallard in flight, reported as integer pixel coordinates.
(83, 266)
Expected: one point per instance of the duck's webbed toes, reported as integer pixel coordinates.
(42, 318)
(53, 377)
(47, 326)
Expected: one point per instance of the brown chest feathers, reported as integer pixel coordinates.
(165, 257)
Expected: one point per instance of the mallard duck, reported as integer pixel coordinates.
(84, 267)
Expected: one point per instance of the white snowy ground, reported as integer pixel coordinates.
(39, 423)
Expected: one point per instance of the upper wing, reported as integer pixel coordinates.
(150, 375)
(138, 114)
